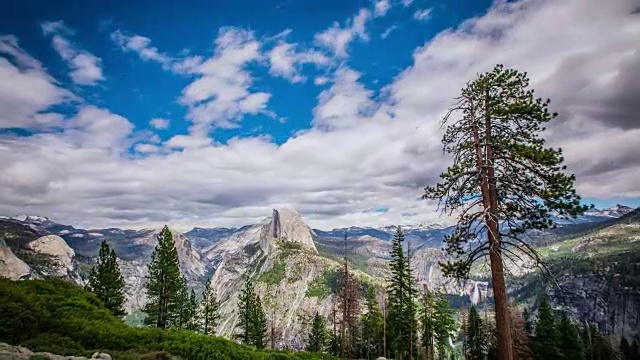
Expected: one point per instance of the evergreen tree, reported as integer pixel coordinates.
(427, 311)
(527, 321)
(372, 327)
(182, 317)
(402, 310)
(106, 281)
(502, 174)
(443, 325)
(476, 339)
(260, 324)
(253, 321)
(318, 334)
(547, 338)
(597, 346)
(569, 339)
(192, 309)
(210, 309)
(164, 283)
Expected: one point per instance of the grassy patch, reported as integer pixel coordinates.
(275, 275)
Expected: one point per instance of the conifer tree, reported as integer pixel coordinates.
(401, 305)
(106, 281)
(164, 283)
(349, 306)
(527, 321)
(569, 339)
(476, 339)
(253, 321)
(317, 335)
(503, 182)
(182, 317)
(210, 309)
(547, 338)
(192, 309)
(372, 327)
(443, 324)
(427, 311)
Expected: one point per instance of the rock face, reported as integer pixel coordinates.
(11, 266)
(287, 225)
(279, 255)
(61, 254)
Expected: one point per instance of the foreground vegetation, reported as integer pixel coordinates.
(59, 317)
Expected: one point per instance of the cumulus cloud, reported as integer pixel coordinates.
(381, 8)
(422, 15)
(367, 149)
(222, 93)
(286, 61)
(86, 68)
(387, 32)
(142, 46)
(159, 123)
(26, 90)
(337, 38)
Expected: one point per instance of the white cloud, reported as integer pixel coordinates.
(222, 95)
(381, 8)
(286, 61)
(338, 38)
(321, 80)
(365, 151)
(407, 3)
(86, 68)
(159, 123)
(146, 148)
(386, 33)
(344, 104)
(26, 90)
(422, 15)
(142, 46)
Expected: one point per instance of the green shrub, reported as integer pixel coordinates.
(275, 275)
(61, 318)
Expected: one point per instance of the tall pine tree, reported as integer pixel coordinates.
(546, 343)
(372, 327)
(106, 281)
(164, 283)
(569, 339)
(443, 324)
(317, 335)
(210, 309)
(253, 321)
(476, 339)
(401, 318)
(427, 311)
(503, 182)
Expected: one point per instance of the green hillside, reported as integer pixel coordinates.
(58, 317)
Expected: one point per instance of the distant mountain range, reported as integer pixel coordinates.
(293, 265)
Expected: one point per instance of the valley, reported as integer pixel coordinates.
(594, 260)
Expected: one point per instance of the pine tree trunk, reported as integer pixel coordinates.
(495, 253)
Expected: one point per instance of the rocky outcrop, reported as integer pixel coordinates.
(10, 352)
(11, 266)
(60, 253)
(287, 225)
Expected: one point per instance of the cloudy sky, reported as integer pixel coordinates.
(139, 113)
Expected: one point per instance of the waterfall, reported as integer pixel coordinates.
(475, 296)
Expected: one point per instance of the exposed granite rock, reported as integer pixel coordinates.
(10, 265)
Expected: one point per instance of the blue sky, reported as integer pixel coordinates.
(208, 113)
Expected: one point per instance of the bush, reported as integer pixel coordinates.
(59, 317)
